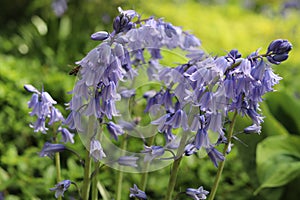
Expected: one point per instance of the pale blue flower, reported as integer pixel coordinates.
(114, 129)
(215, 155)
(137, 193)
(66, 135)
(96, 150)
(128, 161)
(60, 188)
(197, 194)
(50, 149)
(152, 152)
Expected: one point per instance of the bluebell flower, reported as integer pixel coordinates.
(269, 80)
(66, 135)
(169, 30)
(155, 53)
(191, 41)
(152, 152)
(42, 105)
(234, 54)
(127, 93)
(128, 161)
(31, 88)
(254, 128)
(137, 193)
(55, 116)
(60, 188)
(201, 139)
(100, 36)
(197, 194)
(256, 117)
(114, 129)
(122, 23)
(278, 51)
(190, 149)
(258, 70)
(215, 155)
(166, 100)
(50, 149)
(39, 125)
(96, 150)
(178, 119)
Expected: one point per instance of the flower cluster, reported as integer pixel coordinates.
(42, 105)
(195, 98)
(117, 59)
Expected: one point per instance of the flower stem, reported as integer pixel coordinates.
(222, 163)
(175, 167)
(95, 174)
(95, 181)
(58, 171)
(57, 162)
(145, 173)
(86, 178)
(88, 162)
(120, 172)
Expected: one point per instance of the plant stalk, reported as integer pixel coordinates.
(145, 173)
(175, 167)
(120, 172)
(88, 162)
(222, 163)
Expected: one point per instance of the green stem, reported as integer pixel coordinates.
(57, 162)
(95, 174)
(88, 162)
(86, 178)
(95, 181)
(221, 164)
(175, 167)
(120, 172)
(58, 171)
(145, 174)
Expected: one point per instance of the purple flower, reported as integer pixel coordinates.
(215, 155)
(61, 187)
(189, 149)
(279, 46)
(50, 149)
(114, 129)
(66, 135)
(42, 105)
(201, 139)
(128, 161)
(137, 193)
(100, 36)
(55, 116)
(152, 152)
(253, 129)
(96, 150)
(278, 51)
(179, 118)
(197, 194)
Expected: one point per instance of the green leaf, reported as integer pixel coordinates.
(271, 126)
(278, 160)
(286, 108)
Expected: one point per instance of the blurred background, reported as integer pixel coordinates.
(41, 40)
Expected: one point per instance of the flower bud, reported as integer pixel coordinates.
(100, 35)
(279, 46)
(278, 51)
